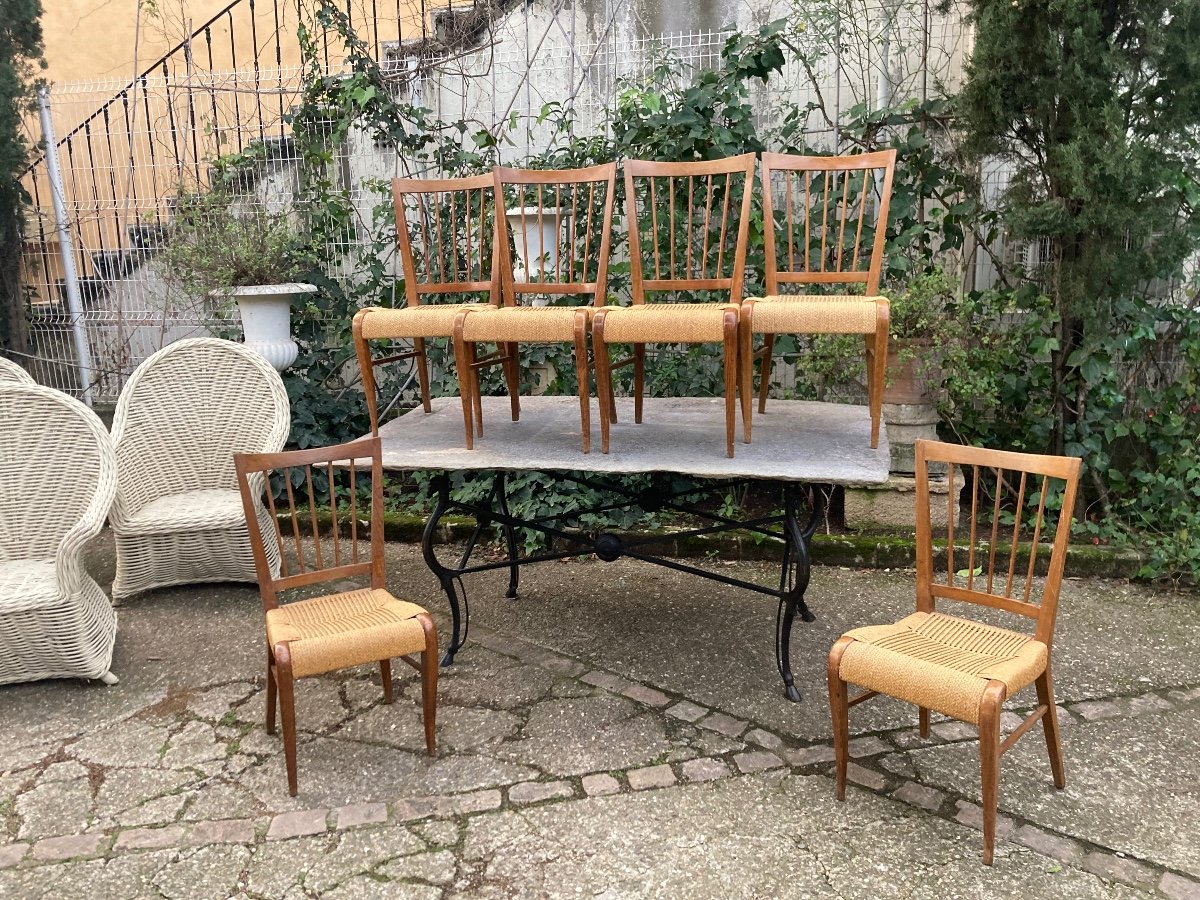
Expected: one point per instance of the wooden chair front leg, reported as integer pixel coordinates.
(745, 361)
(731, 377)
(466, 377)
(923, 721)
(604, 389)
(581, 373)
(878, 373)
(639, 380)
(840, 710)
(1045, 693)
(366, 366)
(764, 375)
(429, 678)
(423, 373)
(989, 762)
(271, 692)
(385, 675)
(287, 709)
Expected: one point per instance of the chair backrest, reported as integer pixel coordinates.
(183, 414)
(446, 230)
(57, 469)
(558, 224)
(11, 372)
(1018, 522)
(320, 538)
(688, 224)
(826, 218)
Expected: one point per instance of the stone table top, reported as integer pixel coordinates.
(796, 440)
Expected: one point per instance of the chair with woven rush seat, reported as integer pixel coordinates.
(10, 372)
(58, 475)
(826, 219)
(323, 541)
(559, 224)
(445, 229)
(705, 251)
(180, 418)
(961, 667)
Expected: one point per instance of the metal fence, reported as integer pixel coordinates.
(99, 299)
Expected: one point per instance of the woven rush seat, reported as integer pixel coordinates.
(941, 662)
(785, 314)
(667, 323)
(190, 510)
(337, 631)
(429, 321)
(523, 324)
(28, 584)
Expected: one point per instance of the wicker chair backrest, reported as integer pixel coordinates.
(10, 372)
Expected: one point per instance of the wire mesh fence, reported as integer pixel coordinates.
(131, 153)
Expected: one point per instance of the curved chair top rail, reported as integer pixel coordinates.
(744, 162)
(11, 372)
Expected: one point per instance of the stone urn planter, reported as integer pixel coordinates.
(266, 311)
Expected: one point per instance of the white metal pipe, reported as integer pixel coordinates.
(66, 247)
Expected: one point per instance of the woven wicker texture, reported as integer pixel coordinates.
(59, 475)
(941, 662)
(524, 324)
(10, 371)
(675, 323)
(184, 413)
(433, 320)
(348, 629)
(786, 314)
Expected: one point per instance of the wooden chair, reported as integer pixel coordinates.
(445, 229)
(559, 223)
(960, 667)
(829, 229)
(699, 247)
(319, 544)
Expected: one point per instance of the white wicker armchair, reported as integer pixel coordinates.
(58, 476)
(10, 372)
(184, 413)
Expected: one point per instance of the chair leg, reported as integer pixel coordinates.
(512, 378)
(423, 373)
(476, 392)
(429, 677)
(639, 380)
(287, 709)
(366, 366)
(764, 376)
(581, 373)
(878, 372)
(989, 762)
(604, 389)
(731, 353)
(745, 356)
(462, 360)
(840, 710)
(1045, 693)
(271, 693)
(385, 676)
(923, 721)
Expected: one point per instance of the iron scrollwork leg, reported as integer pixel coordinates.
(793, 581)
(445, 576)
(500, 491)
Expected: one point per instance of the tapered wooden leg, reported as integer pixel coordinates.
(366, 366)
(639, 380)
(878, 371)
(989, 762)
(271, 692)
(287, 709)
(462, 360)
(1045, 693)
(604, 388)
(731, 350)
(840, 711)
(512, 378)
(764, 376)
(581, 373)
(423, 373)
(429, 677)
(476, 391)
(745, 358)
(923, 721)
(385, 675)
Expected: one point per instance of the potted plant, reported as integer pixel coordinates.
(233, 248)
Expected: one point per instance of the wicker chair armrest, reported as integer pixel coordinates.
(69, 556)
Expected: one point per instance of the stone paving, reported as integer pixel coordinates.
(617, 731)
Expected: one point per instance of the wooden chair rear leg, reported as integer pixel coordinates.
(287, 709)
(581, 373)
(1045, 693)
(731, 352)
(639, 380)
(385, 675)
(271, 693)
(462, 360)
(923, 721)
(476, 391)
(840, 710)
(989, 762)
(423, 374)
(512, 378)
(764, 377)
(429, 677)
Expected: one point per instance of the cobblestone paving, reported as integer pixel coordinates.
(573, 774)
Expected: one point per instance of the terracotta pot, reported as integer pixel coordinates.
(906, 384)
